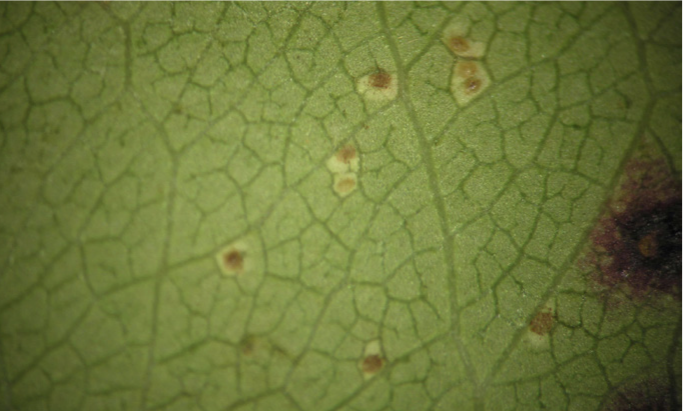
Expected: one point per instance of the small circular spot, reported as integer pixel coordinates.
(372, 364)
(346, 154)
(380, 79)
(459, 44)
(472, 85)
(467, 69)
(233, 260)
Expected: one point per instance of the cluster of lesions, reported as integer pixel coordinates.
(469, 78)
(344, 166)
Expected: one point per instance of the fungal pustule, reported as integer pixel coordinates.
(380, 85)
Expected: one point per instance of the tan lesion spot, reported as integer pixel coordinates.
(542, 323)
(380, 79)
(459, 44)
(344, 184)
(466, 69)
(372, 364)
(232, 259)
(372, 361)
(472, 85)
(469, 80)
(459, 40)
(380, 85)
(346, 154)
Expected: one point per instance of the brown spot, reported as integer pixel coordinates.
(346, 154)
(380, 79)
(467, 69)
(372, 364)
(346, 185)
(472, 85)
(233, 260)
(459, 44)
(542, 322)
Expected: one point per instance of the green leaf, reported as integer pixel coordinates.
(337, 206)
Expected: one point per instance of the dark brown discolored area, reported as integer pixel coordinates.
(372, 364)
(381, 79)
(233, 260)
(542, 323)
(637, 243)
(650, 395)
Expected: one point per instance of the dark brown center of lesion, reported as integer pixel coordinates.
(459, 44)
(472, 85)
(233, 260)
(372, 363)
(381, 79)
